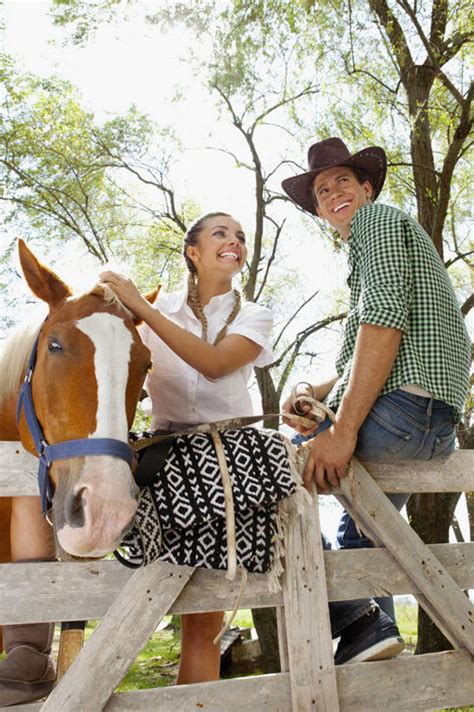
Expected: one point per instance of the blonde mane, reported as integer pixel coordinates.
(14, 357)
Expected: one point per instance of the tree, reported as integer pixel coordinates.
(65, 176)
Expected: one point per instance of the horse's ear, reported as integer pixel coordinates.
(42, 281)
(150, 297)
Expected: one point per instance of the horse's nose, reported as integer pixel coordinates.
(94, 507)
(75, 508)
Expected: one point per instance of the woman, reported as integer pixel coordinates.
(204, 343)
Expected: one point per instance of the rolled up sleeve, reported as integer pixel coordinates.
(385, 272)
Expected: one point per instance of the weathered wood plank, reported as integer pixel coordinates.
(439, 594)
(85, 590)
(260, 693)
(408, 683)
(310, 653)
(375, 572)
(282, 639)
(114, 645)
(454, 473)
(18, 470)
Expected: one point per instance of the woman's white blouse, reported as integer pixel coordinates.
(178, 392)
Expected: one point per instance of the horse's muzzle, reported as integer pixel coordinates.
(92, 510)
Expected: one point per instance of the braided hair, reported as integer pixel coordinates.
(191, 238)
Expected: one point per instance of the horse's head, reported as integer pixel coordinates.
(89, 372)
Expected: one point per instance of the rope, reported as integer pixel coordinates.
(227, 424)
(307, 404)
(227, 624)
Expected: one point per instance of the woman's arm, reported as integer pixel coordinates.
(233, 352)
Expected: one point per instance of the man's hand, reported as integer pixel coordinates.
(288, 407)
(315, 392)
(329, 458)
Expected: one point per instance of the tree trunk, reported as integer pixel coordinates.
(470, 513)
(266, 626)
(424, 174)
(269, 395)
(466, 442)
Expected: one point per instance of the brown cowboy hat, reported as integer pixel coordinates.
(330, 153)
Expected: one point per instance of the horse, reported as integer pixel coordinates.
(89, 372)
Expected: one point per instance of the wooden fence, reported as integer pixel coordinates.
(131, 604)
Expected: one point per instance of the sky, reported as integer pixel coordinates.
(129, 63)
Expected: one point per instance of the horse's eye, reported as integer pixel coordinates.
(54, 346)
(148, 367)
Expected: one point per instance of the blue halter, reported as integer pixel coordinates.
(63, 450)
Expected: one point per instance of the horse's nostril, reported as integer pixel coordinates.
(134, 491)
(76, 509)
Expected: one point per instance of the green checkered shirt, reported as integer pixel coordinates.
(398, 280)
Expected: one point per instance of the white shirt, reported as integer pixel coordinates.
(179, 393)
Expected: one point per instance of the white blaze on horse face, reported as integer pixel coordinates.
(113, 342)
(105, 485)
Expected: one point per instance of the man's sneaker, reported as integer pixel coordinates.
(373, 637)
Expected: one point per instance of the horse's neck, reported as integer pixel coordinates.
(8, 427)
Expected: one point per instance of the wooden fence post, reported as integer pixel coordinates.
(310, 653)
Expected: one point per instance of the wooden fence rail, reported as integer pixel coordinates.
(130, 605)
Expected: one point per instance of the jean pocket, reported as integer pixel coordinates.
(444, 444)
(382, 437)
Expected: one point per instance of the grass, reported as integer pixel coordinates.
(407, 621)
(157, 663)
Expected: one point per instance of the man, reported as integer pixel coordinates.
(403, 368)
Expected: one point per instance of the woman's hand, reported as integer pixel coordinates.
(126, 291)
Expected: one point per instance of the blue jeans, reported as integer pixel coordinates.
(400, 426)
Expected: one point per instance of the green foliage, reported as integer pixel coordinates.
(85, 16)
(52, 165)
(64, 176)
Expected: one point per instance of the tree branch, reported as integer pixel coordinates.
(397, 38)
(434, 59)
(461, 256)
(467, 306)
(303, 335)
(293, 317)
(279, 229)
(307, 91)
